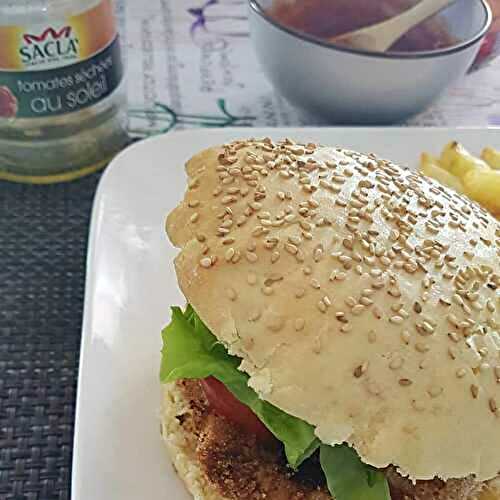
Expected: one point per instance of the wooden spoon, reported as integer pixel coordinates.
(380, 37)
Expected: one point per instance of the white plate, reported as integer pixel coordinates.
(118, 454)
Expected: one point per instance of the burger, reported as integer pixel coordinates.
(342, 333)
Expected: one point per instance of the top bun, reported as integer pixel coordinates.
(361, 297)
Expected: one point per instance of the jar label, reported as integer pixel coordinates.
(49, 70)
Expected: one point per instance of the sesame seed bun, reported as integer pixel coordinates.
(361, 297)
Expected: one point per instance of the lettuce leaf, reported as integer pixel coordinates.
(348, 478)
(191, 351)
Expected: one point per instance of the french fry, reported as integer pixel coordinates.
(429, 166)
(491, 157)
(459, 162)
(428, 158)
(483, 186)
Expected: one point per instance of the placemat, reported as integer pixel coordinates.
(43, 239)
(190, 64)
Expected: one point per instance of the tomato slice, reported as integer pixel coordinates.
(224, 403)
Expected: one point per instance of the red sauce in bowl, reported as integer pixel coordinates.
(330, 18)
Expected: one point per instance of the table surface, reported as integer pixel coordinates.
(43, 229)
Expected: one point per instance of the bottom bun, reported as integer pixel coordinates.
(181, 445)
(182, 442)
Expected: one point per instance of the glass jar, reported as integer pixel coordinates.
(62, 100)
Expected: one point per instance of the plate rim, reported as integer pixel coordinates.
(94, 225)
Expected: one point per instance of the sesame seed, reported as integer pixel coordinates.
(346, 328)
(229, 199)
(452, 319)
(346, 261)
(276, 323)
(295, 240)
(474, 389)
(251, 279)
(194, 218)
(267, 290)
(206, 262)
(270, 243)
(231, 294)
(358, 309)
(229, 254)
(251, 257)
(405, 382)
(396, 363)
(435, 391)
(421, 347)
(254, 315)
(385, 261)
(201, 237)
(403, 314)
(315, 284)
(348, 243)
(350, 301)
(427, 328)
(241, 220)
(394, 235)
(484, 367)
(483, 351)
(299, 324)
(461, 372)
(373, 388)
(361, 369)
(318, 254)
(397, 320)
(493, 406)
(300, 293)
(321, 306)
(290, 248)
